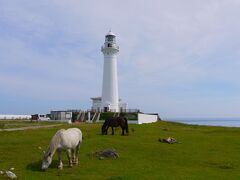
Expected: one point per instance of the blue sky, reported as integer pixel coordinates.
(177, 58)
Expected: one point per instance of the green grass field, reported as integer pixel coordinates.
(204, 153)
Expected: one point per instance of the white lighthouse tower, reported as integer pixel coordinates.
(110, 99)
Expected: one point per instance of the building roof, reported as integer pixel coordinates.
(110, 33)
(96, 98)
(100, 98)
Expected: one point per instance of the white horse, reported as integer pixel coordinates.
(68, 140)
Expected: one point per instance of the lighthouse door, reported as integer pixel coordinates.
(105, 109)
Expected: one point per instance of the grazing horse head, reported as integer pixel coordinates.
(104, 127)
(47, 160)
(47, 157)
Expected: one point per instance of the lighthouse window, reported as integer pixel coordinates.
(109, 45)
(110, 38)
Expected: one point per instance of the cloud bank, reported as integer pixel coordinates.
(177, 58)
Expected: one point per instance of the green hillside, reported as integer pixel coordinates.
(204, 153)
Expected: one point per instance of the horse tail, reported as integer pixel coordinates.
(126, 124)
(80, 137)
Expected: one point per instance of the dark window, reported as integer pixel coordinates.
(105, 109)
(110, 38)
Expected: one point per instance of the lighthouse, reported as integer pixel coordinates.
(110, 99)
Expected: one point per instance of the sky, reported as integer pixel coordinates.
(177, 58)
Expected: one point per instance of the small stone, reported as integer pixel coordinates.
(101, 158)
(1, 172)
(12, 169)
(11, 175)
(39, 148)
(168, 140)
(107, 153)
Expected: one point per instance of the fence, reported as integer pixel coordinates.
(114, 110)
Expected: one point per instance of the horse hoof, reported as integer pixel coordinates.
(75, 162)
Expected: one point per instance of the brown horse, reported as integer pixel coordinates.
(115, 122)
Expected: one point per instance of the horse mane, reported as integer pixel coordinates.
(54, 143)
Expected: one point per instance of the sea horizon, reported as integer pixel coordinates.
(225, 122)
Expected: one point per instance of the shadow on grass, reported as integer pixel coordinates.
(36, 166)
(223, 165)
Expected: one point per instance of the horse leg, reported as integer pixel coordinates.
(106, 130)
(126, 125)
(73, 156)
(77, 152)
(122, 131)
(112, 131)
(59, 152)
(69, 157)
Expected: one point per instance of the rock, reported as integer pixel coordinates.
(12, 169)
(168, 140)
(1, 172)
(101, 158)
(11, 175)
(107, 153)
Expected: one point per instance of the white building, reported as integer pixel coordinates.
(61, 115)
(9, 116)
(97, 105)
(110, 100)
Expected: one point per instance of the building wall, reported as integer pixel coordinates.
(147, 118)
(61, 115)
(96, 105)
